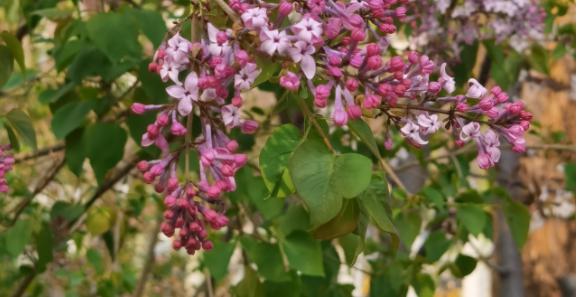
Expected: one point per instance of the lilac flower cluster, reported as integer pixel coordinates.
(203, 96)
(6, 163)
(334, 47)
(336, 51)
(444, 25)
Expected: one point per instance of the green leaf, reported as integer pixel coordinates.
(473, 217)
(363, 131)
(322, 180)
(268, 69)
(518, 219)
(569, 170)
(408, 225)
(436, 245)
(151, 24)
(463, 265)
(303, 253)
(267, 258)
(468, 60)
(22, 126)
(217, 259)
(74, 152)
(44, 246)
(14, 143)
(353, 246)
(539, 59)
(95, 260)
(115, 35)
(54, 14)
(16, 238)
(250, 286)
(345, 222)
(373, 204)
(424, 285)
(66, 210)
(15, 48)
(295, 218)
(70, 116)
(434, 196)
(104, 147)
(274, 159)
(50, 95)
(7, 62)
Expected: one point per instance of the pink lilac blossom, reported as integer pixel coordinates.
(6, 163)
(334, 50)
(440, 27)
(193, 206)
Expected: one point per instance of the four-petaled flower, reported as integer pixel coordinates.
(186, 94)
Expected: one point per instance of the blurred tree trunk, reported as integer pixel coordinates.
(510, 281)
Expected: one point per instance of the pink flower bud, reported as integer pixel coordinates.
(232, 145)
(240, 159)
(340, 117)
(371, 101)
(388, 144)
(373, 49)
(335, 72)
(177, 129)
(357, 60)
(285, 8)
(374, 62)
(352, 84)
(249, 127)
(241, 57)
(290, 81)
(153, 67)
(401, 12)
(142, 166)
(396, 64)
(354, 111)
(237, 101)
(162, 119)
(138, 108)
(413, 57)
(221, 37)
(207, 245)
(358, 35)
(152, 131)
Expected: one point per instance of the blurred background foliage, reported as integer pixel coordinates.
(79, 222)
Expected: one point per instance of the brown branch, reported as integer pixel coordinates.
(39, 188)
(39, 153)
(24, 285)
(107, 185)
(149, 262)
(231, 14)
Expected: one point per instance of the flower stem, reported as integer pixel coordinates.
(231, 14)
(305, 109)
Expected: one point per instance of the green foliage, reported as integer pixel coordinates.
(288, 217)
(274, 157)
(104, 147)
(323, 180)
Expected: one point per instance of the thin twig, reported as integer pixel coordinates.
(305, 109)
(58, 165)
(39, 153)
(73, 225)
(208, 280)
(149, 262)
(231, 14)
